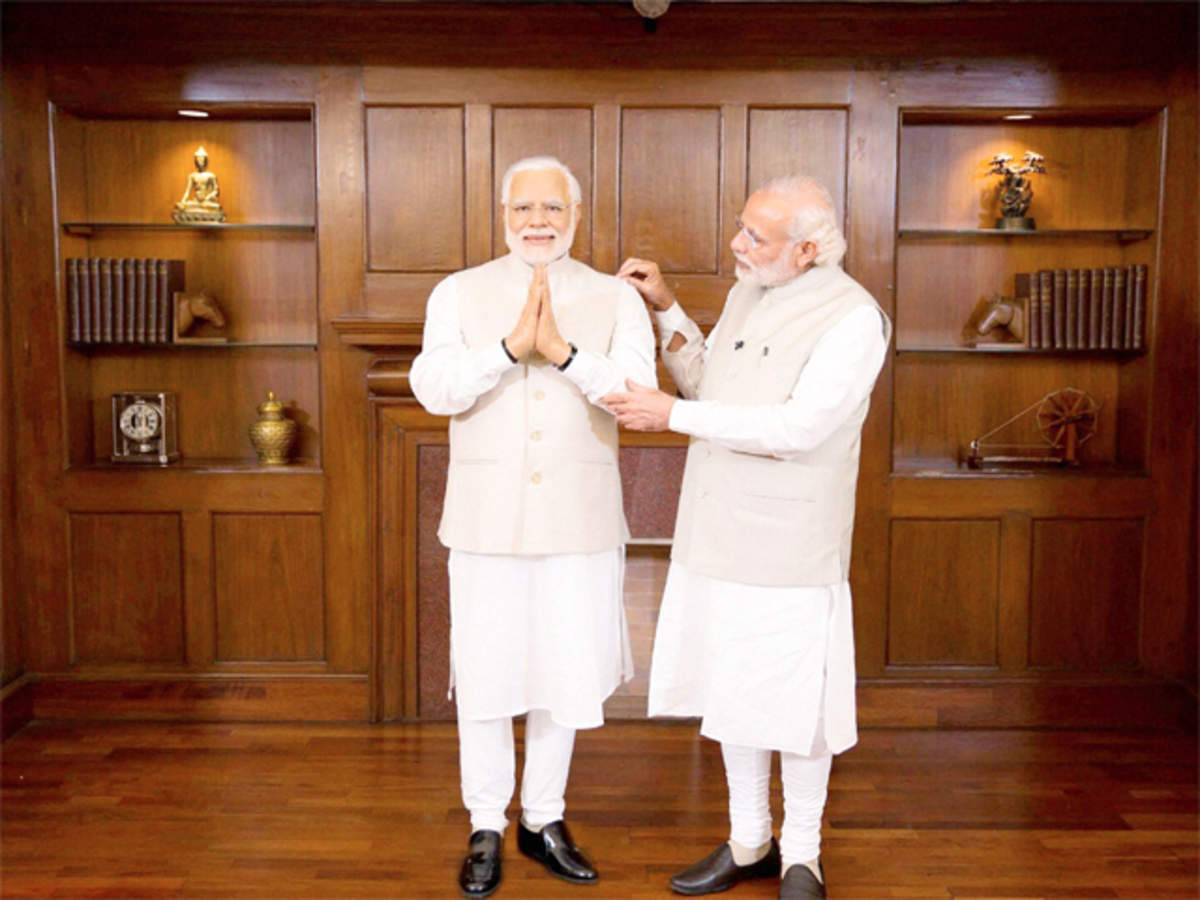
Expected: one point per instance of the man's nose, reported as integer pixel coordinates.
(738, 244)
(537, 215)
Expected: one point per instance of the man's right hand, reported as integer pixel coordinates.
(646, 277)
(521, 340)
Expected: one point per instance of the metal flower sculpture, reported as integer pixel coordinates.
(1015, 190)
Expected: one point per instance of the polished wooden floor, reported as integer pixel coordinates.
(280, 811)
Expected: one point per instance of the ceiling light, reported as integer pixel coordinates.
(194, 113)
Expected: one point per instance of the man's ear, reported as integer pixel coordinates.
(803, 255)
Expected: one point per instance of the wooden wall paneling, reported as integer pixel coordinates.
(942, 609)
(736, 147)
(822, 84)
(477, 219)
(13, 712)
(943, 401)
(606, 192)
(872, 122)
(415, 188)
(431, 606)
(812, 142)
(916, 492)
(564, 132)
(401, 428)
(268, 587)
(136, 169)
(1016, 541)
(341, 189)
(126, 588)
(1169, 628)
(218, 391)
(672, 220)
(199, 603)
(1086, 593)
(35, 354)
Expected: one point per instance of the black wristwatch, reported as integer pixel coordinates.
(570, 356)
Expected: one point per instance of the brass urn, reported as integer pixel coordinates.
(273, 434)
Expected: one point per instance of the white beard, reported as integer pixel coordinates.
(533, 255)
(778, 271)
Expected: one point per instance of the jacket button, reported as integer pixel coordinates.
(539, 395)
(535, 436)
(536, 477)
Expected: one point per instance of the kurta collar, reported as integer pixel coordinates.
(524, 271)
(813, 278)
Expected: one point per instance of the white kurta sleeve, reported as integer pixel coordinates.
(686, 364)
(630, 355)
(448, 376)
(837, 378)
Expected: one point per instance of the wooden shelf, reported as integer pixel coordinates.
(87, 228)
(202, 465)
(1020, 350)
(188, 346)
(1119, 234)
(943, 467)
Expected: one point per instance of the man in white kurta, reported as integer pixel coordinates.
(755, 633)
(518, 352)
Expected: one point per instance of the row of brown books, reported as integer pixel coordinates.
(122, 301)
(1085, 309)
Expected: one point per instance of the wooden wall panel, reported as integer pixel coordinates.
(1087, 577)
(269, 587)
(670, 187)
(126, 588)
(415, 194)
(518, 132)
(799, 141)
(944, 588)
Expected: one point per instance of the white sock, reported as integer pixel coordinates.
(747, 856)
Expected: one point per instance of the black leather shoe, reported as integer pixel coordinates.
(480, 875)
(799, 883)
(718, 872)
(554, 849)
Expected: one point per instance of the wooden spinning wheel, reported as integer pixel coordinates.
(1065, 419)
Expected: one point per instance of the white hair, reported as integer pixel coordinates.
(815, 219)
(537, 163)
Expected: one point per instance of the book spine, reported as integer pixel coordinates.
(1045, 291)
(1081, 308)
(1130, 302)
(73, 300)
(97, 318)
(1095, 304)
(118, 302)
(1140, 273)
(140, 265)
(1025, 292)
(1106, 298)
(1071, 309)
(106, 304)
(1118, 322)
(130, 300)
(85, 300)
(151, 301)
(1060, 309)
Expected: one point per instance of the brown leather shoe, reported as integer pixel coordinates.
(799, 883)
(718, 872)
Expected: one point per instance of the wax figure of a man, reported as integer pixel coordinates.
(755, 633)
(518, 352)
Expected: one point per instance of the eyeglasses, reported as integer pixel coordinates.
(756, 240)
(551, 210)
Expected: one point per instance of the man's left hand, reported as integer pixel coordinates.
(642, 409)
(549, 342)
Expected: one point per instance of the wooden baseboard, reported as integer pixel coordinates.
(1135, 702)
(16, 706)
(204, 698)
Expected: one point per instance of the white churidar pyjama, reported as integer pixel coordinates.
(805, 786)
(538, 632)
(487, 761)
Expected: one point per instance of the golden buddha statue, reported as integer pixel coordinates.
(199, 202)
